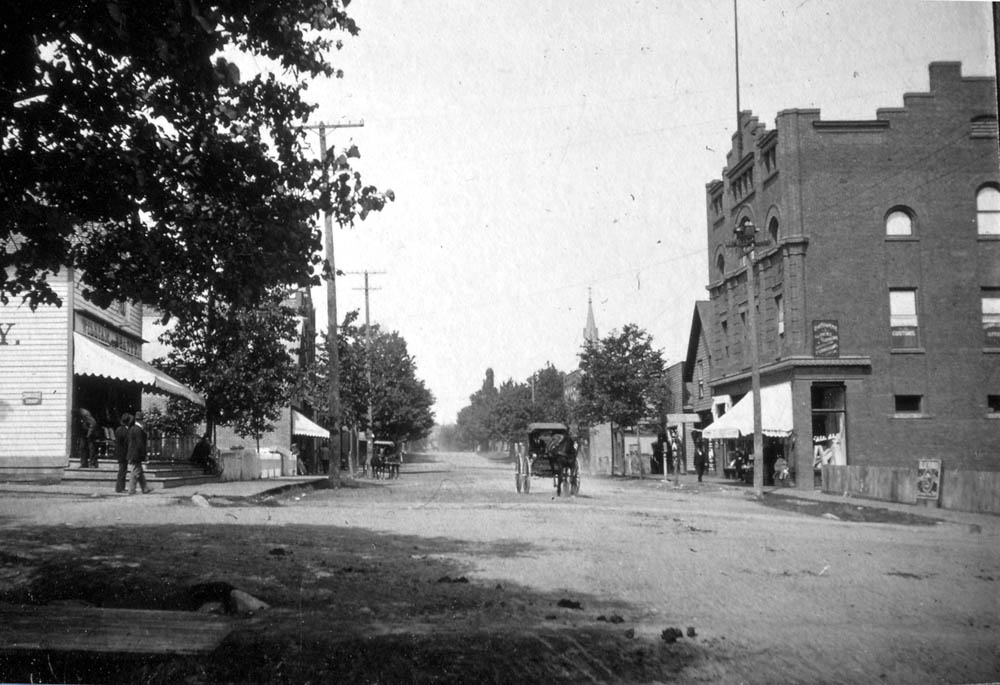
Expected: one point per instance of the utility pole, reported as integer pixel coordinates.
(368, 356)
(331, 310)
(746, 239)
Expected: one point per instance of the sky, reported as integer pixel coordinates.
(541, 151)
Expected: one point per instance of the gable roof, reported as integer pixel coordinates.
(702, 312)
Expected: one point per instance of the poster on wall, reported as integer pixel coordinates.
(929, 479)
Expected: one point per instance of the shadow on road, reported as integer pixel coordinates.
(346, 605)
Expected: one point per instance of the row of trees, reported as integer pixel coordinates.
(497, 415)
(621, 380)
(248, 378)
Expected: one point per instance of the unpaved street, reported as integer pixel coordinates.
(449, 575)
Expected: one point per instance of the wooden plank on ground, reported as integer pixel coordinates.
(101, 630)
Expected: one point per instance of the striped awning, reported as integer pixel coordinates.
(303, 426)
(91, 358)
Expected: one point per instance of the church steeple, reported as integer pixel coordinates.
(590, 331)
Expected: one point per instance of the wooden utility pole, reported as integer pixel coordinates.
(368, 357)
(333, 371)
(746, 240)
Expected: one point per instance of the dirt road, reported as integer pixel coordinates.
(449, 575)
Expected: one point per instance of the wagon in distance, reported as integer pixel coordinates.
(548, 452)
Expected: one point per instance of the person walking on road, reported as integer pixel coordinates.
(700, 461)
(121, 451)
(136, 441)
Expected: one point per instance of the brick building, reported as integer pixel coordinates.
(878, 297)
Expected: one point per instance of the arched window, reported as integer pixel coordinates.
(720, 264)
(898, 222)
(772, 230)
(988, 210)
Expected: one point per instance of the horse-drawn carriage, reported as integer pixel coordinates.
(548, 452)
(386, 459)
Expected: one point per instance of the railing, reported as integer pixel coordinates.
(170, 447)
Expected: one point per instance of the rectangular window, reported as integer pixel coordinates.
(993, 404)
(991, 317)
(903, 318)
(909, 404)
(725, 337)
(781, 315)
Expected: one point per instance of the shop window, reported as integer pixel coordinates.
(905, 331)
(988, 210)
(829, 424)
(899, 222)
(991, 317)
(993, 404)
(909, 404)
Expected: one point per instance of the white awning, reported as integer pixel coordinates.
(303, 426)
(91, 358)
(775, 415)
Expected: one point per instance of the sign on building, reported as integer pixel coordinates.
(826, 338)
(929, 479)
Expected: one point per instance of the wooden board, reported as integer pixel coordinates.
(100, 630)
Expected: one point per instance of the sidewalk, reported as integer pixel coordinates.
(245, 488)
(815, 494)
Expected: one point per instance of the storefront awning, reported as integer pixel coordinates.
(303, 426)
(775, 415)
(91, 358)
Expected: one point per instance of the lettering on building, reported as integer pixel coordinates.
(4, 330)
(108, 336)
(826, 338)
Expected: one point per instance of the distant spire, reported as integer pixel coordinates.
(590, 331)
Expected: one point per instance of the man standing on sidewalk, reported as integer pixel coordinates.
(121, 451)
(136, 454)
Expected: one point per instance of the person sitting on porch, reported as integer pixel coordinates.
(781, 472)
(201, 455)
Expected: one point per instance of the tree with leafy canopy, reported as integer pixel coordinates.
(240, 360)
(477, 421)
(401, 403)
(621, 378)
(549, 397)
(133, 151)
(513, 411)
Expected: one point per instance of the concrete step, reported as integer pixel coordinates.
(163, 474)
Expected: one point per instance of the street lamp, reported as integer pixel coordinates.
(745, 238)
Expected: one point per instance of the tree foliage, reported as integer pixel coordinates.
(622, 377)
(240, 360)
(401, 403)
(476, 421)
(131, 149)
(502, 415)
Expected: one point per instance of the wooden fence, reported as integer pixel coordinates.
(976, 491)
